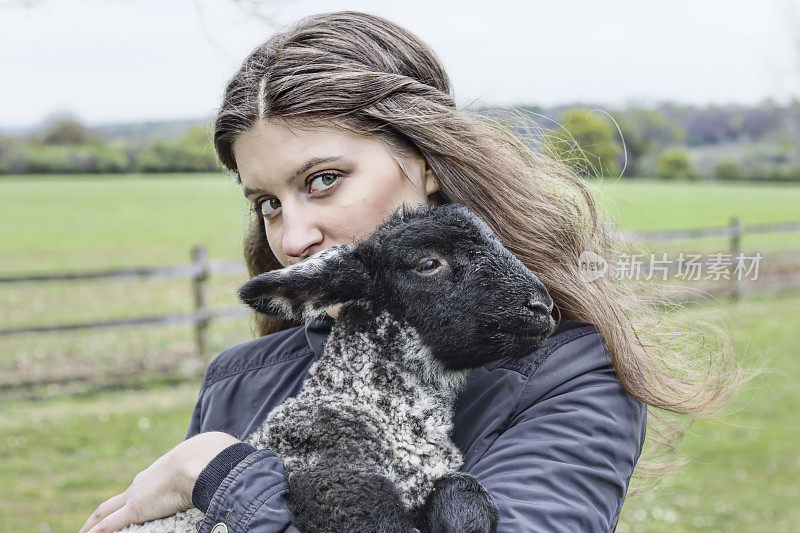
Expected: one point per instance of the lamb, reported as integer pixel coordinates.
(428, 296)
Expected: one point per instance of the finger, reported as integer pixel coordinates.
(103, 510)
(114, 522)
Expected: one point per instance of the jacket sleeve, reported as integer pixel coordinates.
(566, 455)
(197, 416)
(250, 496)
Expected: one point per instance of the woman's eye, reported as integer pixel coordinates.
(326, 178)
(428, 265)
(267, 207)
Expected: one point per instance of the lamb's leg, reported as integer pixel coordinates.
(458, 503)
(346, 498)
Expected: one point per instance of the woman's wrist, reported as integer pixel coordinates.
(213, 442)
(216, 471)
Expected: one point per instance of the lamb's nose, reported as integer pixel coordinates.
(537, 307)
(542, 304)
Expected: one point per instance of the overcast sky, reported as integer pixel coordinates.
(122, 60)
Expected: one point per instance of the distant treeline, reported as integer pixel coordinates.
(66, 146)
(669, 140)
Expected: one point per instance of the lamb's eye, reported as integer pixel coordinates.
(428, 265)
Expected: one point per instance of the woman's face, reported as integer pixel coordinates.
(323, 186)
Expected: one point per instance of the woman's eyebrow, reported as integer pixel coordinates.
(314, 161)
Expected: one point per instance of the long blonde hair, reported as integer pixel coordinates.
(367, 75)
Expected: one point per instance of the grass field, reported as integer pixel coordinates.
(647, 205)
(743, 468)
(743, 471)
(71, 223)
(662, 205)
(56, 224)
(52, 223)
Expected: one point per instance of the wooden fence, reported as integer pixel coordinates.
(733, 232)
(201, 268)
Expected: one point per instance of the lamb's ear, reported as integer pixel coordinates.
(334, 275)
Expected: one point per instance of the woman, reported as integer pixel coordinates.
(331, 125)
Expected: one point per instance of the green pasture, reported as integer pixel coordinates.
(743, 468)
(645, 205)
(61, 457)
(56, 223)
(656, 205)
(52, 224)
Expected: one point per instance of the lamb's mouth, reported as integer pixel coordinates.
(540, 325)
(527, 333)
(539, 336)
(532, 343)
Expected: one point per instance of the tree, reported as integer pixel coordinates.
(585, 142)
(64, 129)
(193, 152)
(675, 164)
(645, 131)
(727, 169)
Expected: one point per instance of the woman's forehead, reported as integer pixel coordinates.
(276, 150)
(276, 137)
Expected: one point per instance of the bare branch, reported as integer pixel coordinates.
(263, 10)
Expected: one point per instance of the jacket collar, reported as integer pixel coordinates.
(317, 331)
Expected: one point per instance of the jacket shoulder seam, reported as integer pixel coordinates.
(218, 375)
(528, 366)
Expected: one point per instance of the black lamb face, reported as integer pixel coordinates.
(446, 274)
(439, 269)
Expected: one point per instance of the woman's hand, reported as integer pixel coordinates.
(162, 489)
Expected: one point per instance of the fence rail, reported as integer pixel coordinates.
(201, 268)
(176, 318)
(733, 230)
(199, 271)
(170, 271)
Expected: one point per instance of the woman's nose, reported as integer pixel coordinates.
(300, 231)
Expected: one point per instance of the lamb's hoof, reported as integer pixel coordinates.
(458, 503)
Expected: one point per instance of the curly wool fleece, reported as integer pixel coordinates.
(365, 401)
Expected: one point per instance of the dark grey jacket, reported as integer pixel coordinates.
(553, 437)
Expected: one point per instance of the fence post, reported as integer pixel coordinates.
(200, 289)
(736, 245)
